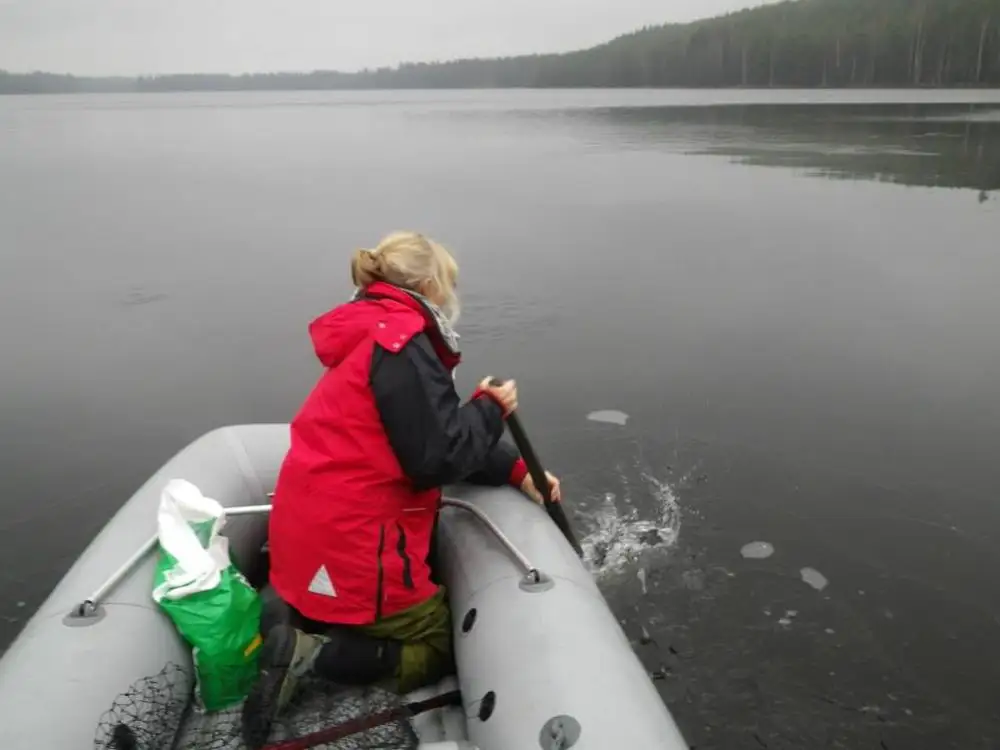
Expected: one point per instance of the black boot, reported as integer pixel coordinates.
(349, 657)
(286, 655)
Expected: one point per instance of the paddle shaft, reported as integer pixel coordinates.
(555, 510)
(364, 723)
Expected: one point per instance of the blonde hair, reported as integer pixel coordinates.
(410, 261)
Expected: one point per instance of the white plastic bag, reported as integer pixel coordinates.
(184, 515)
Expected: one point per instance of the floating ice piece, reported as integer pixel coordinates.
(757, 550)
(789, 616)
(814, 578)
(646, 638)
(609, 416)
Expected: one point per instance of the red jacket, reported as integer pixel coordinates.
(358, 493)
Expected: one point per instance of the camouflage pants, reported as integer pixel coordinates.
(425, 631)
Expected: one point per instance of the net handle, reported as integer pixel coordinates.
(364, 723)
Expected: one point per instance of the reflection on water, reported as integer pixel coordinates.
(932, 145)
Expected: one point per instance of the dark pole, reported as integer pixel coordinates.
(555, 510)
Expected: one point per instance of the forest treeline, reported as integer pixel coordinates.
(797, 43)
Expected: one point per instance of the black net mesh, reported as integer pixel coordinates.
(156, 713)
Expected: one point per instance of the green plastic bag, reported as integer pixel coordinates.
(212, 605)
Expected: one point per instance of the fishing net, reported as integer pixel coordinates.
(157, 713)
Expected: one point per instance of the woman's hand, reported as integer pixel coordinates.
(529, 489)
(505, 393)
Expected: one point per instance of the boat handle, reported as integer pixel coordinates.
(88, 607)
(532, 574)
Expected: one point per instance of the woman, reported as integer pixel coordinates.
(358, 493)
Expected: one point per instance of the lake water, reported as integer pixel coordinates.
(781, 305)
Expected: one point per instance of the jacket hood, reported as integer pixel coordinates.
(337, 333)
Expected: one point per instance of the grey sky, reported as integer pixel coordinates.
(105, 37)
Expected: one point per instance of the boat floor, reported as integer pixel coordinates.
(159, 715)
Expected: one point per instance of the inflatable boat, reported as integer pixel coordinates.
(542, 662)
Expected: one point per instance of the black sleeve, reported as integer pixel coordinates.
(498, 466)
(436, 439)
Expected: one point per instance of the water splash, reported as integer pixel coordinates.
(623, 538)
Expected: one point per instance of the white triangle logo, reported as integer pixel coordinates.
(321, 583)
